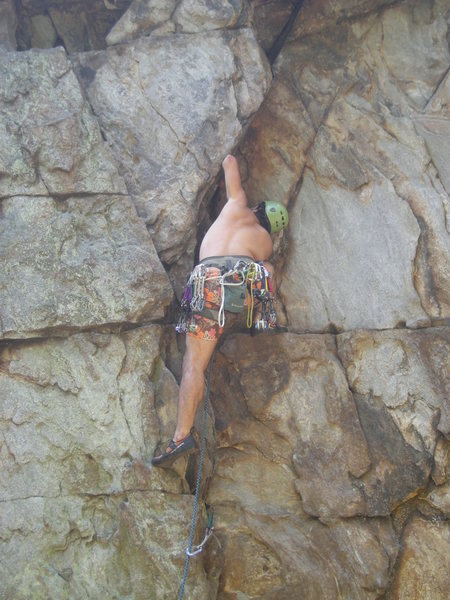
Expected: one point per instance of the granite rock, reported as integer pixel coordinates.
(284, 555)
(358, 270)
(306, 425)
(82, 511)
(50, 141)
(76, 263)
(424, 568)
(8, 24)
(400, 383)
(189, 109)
(327, 445)
(360, 133)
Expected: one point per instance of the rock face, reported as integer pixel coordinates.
(426, 551)
(79, 25)
(371, 209)
(51, 142)
(327, 445)
(191, 97)
(8, 23)
(73, 252)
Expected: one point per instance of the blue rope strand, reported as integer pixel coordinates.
(199, 474)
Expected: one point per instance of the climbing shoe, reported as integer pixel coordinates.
(175, 449)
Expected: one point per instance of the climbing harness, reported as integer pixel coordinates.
(245, 280)
(193, 551)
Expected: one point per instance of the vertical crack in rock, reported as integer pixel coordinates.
(422, 253)
(155, 376)
(274, 51)
(434, 177)
(437, 89)
(422, 262)
(121, 396)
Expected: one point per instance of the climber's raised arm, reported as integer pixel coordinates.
(233, 184)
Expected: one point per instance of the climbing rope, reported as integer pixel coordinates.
(189, 551)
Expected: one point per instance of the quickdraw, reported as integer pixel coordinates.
(208, 533)
(260, 288)
(198, 284)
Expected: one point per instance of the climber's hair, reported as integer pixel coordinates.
(260, 213)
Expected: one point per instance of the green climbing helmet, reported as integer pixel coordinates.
(277, 215)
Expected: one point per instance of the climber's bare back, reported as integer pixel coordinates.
(236, 231)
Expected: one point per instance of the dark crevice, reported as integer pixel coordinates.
(81, 25)
(278, 44)
(124, 326)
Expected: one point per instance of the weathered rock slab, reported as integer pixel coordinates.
(76, 263)
(82, 512)
(131, 545)
(50, 141)
(408, 371)
(400, 382)
(352, 260)
(370, 154)
(64, 399)
(424, 562)
(347, 453)
(307, 425)
(8, 24)
(191, 96)
(153, 537)
(280, 556)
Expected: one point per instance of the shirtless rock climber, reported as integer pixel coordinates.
(233, 273)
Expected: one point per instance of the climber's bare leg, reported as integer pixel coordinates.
(196, 358)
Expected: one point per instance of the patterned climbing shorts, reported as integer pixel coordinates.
(205, 325)
(201, 326)
(204, 328)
